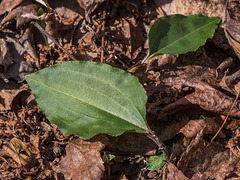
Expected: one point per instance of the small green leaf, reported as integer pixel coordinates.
(156, 162)
(108, 157)
(178, 34)
(87, 98)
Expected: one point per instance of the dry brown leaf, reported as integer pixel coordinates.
(15, 148)
(6, 57)
(235, 44)
(82, 161)
(89, 6)
(174, 173)
(27, 6)
(223, 83)
(234, 143)
(237, 88)
(8, 5)
(8, 97)
(210, 127)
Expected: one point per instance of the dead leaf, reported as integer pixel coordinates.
(8, 5)
(210, 127)
(8, 97)
(174, 173)
(27, 40)
(235, 44)
(132, 143)
(6, 57)
(27, 6)
(82, 161)
(89, 6)
(15, 150)
(234, 143)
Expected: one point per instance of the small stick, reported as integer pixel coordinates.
(225, 120)
(102, 45)
(159, 9)
(103, 35)
(50, 37)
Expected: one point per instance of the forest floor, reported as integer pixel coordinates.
(189, 95)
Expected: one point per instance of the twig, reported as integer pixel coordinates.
(103, 35)
(151, 135)
(225, 120)
(102, 45)
(50, 37)
(159, 10)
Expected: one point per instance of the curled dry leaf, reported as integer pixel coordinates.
(11, 96)
(82, 161)
(175, 174)
(15, 150)
(89, 6)
(6, 98)
(8, 5)
(27, 6)
(194, 126)
(206, 95)
(6, 58)
(234, 143)
(232, 27)
(234, 43)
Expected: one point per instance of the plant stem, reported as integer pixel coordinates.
(151, 135)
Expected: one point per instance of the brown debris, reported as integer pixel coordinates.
(8, 5)
(208, 125)
(82, 160)
(15, 148)
(26, 6)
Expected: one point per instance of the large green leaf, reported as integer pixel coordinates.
(86, 98)
(178, 34)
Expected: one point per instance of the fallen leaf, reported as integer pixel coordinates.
(174, 173)
(82, 161)
(234, 143)
(11, 96)
(8, 5)
(14, 68)
(6, 57)
(27, 40)
(27, 6)
(15, 150)
(210, 127)
(6, 98)
(89, 6)
(235, 44)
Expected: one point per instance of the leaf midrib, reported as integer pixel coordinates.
(104, 82)
(82, 101)
(183, 36)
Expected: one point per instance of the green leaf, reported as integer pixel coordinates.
(156, 162)
(87, 98)
(178, 34)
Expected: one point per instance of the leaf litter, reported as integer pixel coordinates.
(189, 96)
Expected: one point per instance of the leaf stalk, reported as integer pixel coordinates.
(151, 135)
